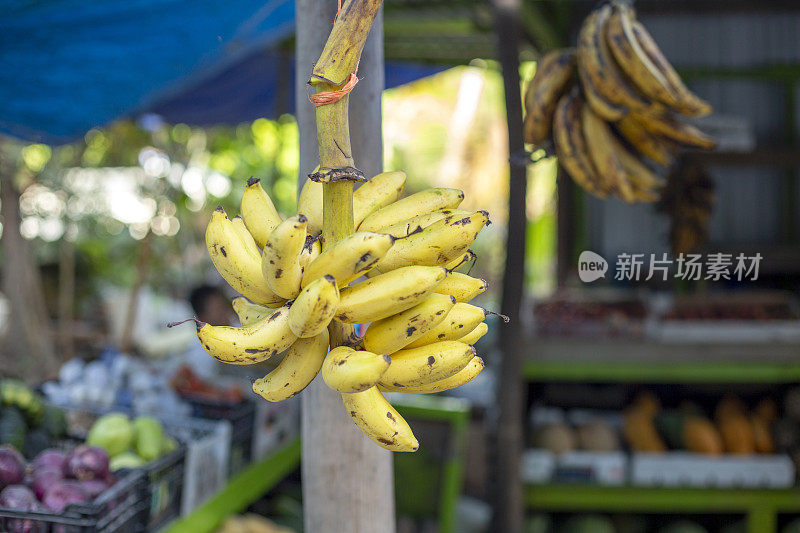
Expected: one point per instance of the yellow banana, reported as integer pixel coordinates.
(437, 244)
(475, 335)
(349, 370)
(465, 375)
(670, 127)
(601, 151)
(411, 206)
(573, 155)
(555, 72)
(392, 333)
(379, 420)
(298, 368)
(688, 102)
(461, 261)
(388, 294)
(311, 250)
(432, 362)
(461, 319)
(378, 192)
(310, 204)
(314, 307)
(649, 145)
(598, 69)
(248, 344)
(259, 212)
(461, 286)
(644, 182)
(247, 238)
(235, 263)
(604, 108)
(420, 222)
(349, 258)
(280, 260)
(633, 60)
(248, 312)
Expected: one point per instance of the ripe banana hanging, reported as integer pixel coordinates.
(392, 333)
(649, 145)
(248, 312)
(248, 344)
(349, 258)
(668, 126)
(378, 192)
(314, 307)
(644, 182)
(235, 263)
(280, 260)
(465, 375)
(349, 370)
(420, 222)
(688, 103)
(425, 365)
(417, 204)
(601, 151)
(597, 67)
(309, 204)
(573, 154)
(555, 73)
(388, 294)
(259, 212)
(475, 335)
(246, 237)
(437, 244)
(299, 367)
(379, 420)
(461, 286)
(633, 60)
(461, 319)
(461, 261)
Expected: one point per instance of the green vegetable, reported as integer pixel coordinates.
(54, 421)
(126, 460)
(15, 393)
(149, 437)
(13, 428)
(113, 432)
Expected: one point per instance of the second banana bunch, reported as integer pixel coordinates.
(610, 104)
(405, 253)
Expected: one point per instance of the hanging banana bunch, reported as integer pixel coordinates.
(612, 106)
(397, 272)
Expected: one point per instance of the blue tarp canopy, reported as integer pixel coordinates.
(69, 65)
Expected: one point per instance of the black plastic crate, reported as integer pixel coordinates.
(164, 479)
(122, 508)
(242, 417)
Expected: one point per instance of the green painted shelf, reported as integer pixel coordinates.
(760, 506)
(242, 490)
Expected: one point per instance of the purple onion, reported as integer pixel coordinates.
(44, 478)
(50, 458)
(86, 462)
(63, 493)
(12, 466)
(94, 487)
(20, 498)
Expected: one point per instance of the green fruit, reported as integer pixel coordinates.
(113, 432)
(13, 428)
(149, 437)
(15, 393)
(54, 422)
(126, 460)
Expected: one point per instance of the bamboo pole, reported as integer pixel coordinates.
(347, 479)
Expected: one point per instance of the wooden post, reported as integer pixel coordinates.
(347, 479)
(509, 511)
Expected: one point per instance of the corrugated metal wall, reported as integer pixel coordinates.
(748, 199)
